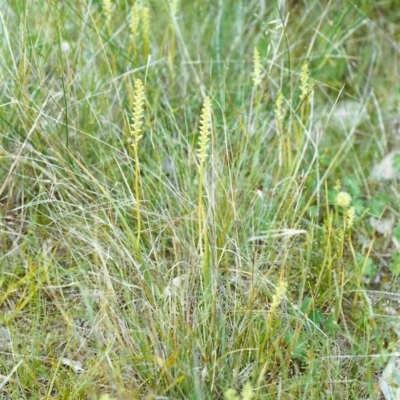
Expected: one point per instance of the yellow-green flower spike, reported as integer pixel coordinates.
(304, 81)
(134, 23)
(145, 17)
(205, 127)
(107, 10)
(174, 5)
(247, 392)
(278, 108)
(230, 394)
(351, 213)
(137, 117)
(278, 296)
(257, 67)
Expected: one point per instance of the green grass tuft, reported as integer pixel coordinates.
(152, 248)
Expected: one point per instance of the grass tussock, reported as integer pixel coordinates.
(186, 199)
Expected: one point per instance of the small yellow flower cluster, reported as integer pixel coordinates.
(106, 397)
(343, 199)
(278, 296)
(247, 393)
(230, 394)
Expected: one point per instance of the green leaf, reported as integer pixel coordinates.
(370, 268)
(332, 196)
(316, 316)
(331, 326)
(396, 162)
(313, 211)
(378, 205)
(395, 264)
(305, 304)
(396, 231)
(353, 186)
(366, 265)
(300, 350)
(299, 347)
(358, 205)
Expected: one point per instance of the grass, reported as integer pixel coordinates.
(195, 240)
